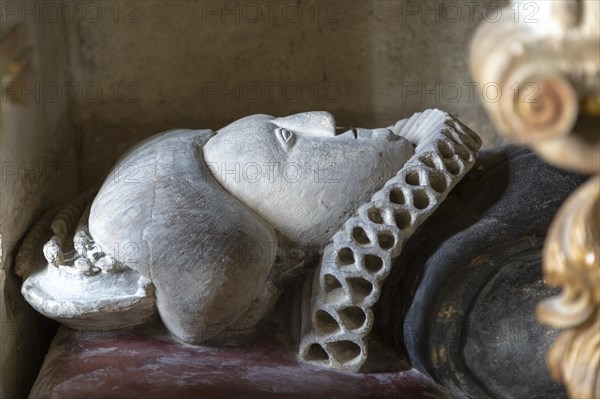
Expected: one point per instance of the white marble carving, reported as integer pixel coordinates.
(210, 227)
(338, 303)
(83, 289)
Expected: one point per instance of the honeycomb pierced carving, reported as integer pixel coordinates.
(338, 307)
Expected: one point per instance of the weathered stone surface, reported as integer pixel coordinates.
(368, 63)
(36, 150)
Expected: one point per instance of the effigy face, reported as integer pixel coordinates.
(210, 227)
(298, 175)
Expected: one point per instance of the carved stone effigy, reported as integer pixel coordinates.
(338, 303)
(211, 253)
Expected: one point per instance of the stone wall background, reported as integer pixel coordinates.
(167, 64)
(38, 146)
(107, 74)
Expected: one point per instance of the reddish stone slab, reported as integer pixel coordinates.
(152, 365)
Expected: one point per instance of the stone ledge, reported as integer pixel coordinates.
(148, 363)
